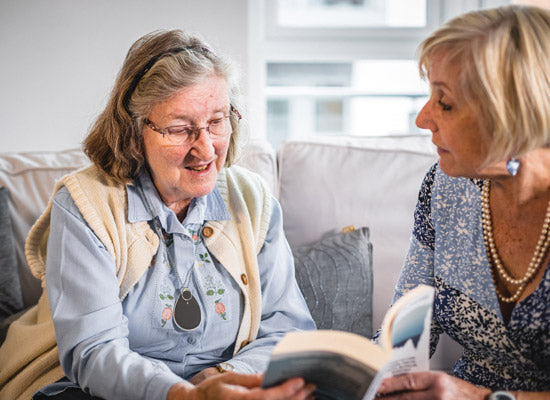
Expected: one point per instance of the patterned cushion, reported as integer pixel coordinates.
(335, 275)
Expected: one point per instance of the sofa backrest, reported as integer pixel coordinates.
(329, 183)
(30, 178)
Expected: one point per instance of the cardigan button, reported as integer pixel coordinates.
(244, 278)
(207, 231)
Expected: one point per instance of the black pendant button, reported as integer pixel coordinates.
(187, 313)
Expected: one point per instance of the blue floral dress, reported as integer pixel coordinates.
(447, 251)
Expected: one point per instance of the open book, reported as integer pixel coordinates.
(348, 366)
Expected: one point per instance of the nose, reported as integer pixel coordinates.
(203, 146)
(424, 118)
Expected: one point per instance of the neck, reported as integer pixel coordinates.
(179, 207)
(171, 201)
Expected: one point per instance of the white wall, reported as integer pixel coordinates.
(59, 58)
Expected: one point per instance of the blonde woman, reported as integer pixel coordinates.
(481, 233)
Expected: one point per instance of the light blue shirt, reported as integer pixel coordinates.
(132, 349)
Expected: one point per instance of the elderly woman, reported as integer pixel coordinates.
(481, 233)
(165, 266)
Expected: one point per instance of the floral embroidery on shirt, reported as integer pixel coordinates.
(194, 235)
(219, 307)
(167, 312)
(204, 257)
(216, 289)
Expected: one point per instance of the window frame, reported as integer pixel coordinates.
(274, 31)
(270, 43)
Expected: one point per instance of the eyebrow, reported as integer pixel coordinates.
(440, 84)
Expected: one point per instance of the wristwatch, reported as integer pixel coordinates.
(501, 395)
(224, 367)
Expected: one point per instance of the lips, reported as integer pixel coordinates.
(198, 168)
(441, 151)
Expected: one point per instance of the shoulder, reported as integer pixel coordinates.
(64, 201)
(250, 185)
(243, 189)
(96, 186)
(441, 195)
(425, 194)
(92, 177)
(242, 177)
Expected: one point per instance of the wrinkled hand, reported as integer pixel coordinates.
(235, 386)
(205, 373)
(429, 385)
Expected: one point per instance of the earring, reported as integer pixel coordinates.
(512, 166)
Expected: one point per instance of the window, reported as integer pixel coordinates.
(348, 18)
(340, 67)
(363, 97)
(350, 13)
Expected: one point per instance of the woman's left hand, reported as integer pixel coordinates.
(429, 385)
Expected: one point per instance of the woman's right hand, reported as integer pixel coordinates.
(232, 385)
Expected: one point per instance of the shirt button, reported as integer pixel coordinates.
(191, 340)
(244, 278)
(207, 231)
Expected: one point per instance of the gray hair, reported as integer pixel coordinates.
(157, 66)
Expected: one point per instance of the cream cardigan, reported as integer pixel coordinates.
(29, 358)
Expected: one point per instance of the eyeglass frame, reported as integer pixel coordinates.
(196, 129)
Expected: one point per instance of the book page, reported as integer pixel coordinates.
(347, 344)
(410, 331)
(406, 329)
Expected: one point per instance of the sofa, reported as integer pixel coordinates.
(329, 188)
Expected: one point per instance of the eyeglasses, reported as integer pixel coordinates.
(186, 134)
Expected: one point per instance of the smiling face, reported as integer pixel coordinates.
(183, 172)
(453, 121)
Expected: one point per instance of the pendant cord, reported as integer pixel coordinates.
(187, 314)
(159, 233)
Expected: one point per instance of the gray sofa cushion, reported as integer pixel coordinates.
(11, 300)
(335, 275)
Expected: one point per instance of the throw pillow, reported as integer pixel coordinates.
(11, 300)
(335, 276)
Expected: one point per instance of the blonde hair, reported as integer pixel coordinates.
(156, 67)
(504, 54)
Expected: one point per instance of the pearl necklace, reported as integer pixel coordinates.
(538, 257)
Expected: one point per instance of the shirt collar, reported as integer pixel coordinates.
(210, 207)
